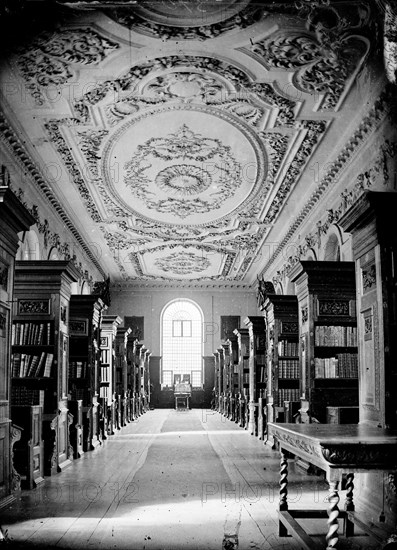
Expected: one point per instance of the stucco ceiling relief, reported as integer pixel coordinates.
(188, 20)
(52, 59)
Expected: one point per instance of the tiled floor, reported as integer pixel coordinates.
(170, 480)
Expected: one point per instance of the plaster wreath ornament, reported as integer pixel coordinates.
(182, 183)
(183, 263)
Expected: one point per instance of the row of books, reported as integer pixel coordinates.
(35, 334)
(335, 336)
(261, 374)
(344, 365)
(288, 368)
(21, 396)
(105, 373)
(286, 347)
(77, 369)
(288, 394)
(27, 365)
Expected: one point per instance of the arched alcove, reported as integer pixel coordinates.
(29, 247)
(332, 249)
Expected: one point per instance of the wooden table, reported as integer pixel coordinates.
(337, 449)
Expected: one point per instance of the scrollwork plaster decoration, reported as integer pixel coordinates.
(200, 31)
(185, 86)
(183, 263)
(180, 179)
(315, 129)
(130, 80)
(57, 139)
(288, 52)
(266, 92)
(364, 181)
(47, 62)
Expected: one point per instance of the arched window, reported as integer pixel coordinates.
(182, 322)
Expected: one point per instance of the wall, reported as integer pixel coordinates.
(150, 304)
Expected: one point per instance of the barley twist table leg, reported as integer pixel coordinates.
(349, 504)
(333, 513)
(282, 531)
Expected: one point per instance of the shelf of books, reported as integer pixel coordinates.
(40, 350)
(132, 342)
(121, 371)
(14, 219)
(227, 379)
(243, 367)
(257, 368)
(84, 371)
(283, 390)
(328, 336)
(232, 344)
(110, 400)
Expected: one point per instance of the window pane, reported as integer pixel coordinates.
(187, 328)
(182, 342)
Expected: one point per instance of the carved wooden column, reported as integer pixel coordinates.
(256, 327)
(372, 223)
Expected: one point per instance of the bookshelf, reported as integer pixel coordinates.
(40, 351)
(217, 382)
(137, 378)
(121, 372)
(84, 366)
(131, 378)
(281, 313)
(243, 368)
(257, 368)
(29, 449)
(328, 336)
(107, 383)
(371, 222)
(232, 344)
(14, 218)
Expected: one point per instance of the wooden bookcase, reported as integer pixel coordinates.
(131, 376)
(257, 368)
(109, 399)
(243, 368)
(217, 381)
(29, 449)
(232, 344)
(282, 329)
(40, 350)
(121, 364)
(328, 336)
(14, 218)
(84, 325)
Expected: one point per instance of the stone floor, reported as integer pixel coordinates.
(170, 480)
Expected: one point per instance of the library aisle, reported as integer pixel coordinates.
(170, 480)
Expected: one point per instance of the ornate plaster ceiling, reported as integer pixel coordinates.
(181, 130)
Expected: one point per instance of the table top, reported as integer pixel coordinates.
(339, 445)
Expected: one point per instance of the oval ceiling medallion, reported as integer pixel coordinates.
(183, 165)
(188, 13)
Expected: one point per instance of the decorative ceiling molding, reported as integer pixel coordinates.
(196, 25)
(131, 80)
(48, 61)
(382, 107)
(244, 112)
(182, 263)
(320, 68)
(364, 181)
(10, 138)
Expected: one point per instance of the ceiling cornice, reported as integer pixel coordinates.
(10, 138)
(368, 125)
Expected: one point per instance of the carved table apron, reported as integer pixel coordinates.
(337, 449)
